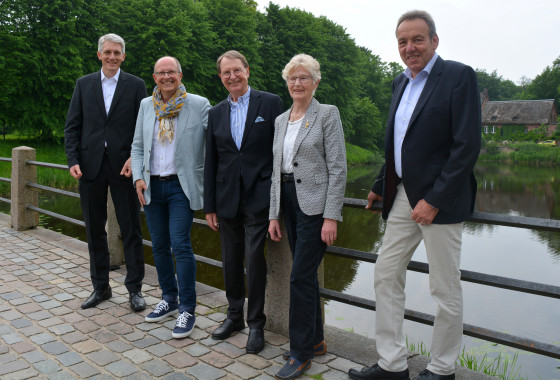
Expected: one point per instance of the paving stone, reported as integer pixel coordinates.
(215, 359)
(254, 361)
(180, 359)
(203, 371)
(22, 347)
(229, 350)
(19, 323)
(157, 367)
(84, 370)
(134, 336)
(316, 369)
(334, 375)
(102, 357)
(146, 342)
(39, 315)
(104, 336)
(137, 356)
(264, 376)
(118, 346)
(177, 376)
(162, 333)
(69, 358)
(343, 365)
(10, 315)
(86, 326)
(270, 352)
(13, 366)
(105, 376)
(138, 376)
(47, 367)
(74, 337)
(61, 375)
(87, 346)
(34, 356)
(197, 350)
(161, 349)
(180, 343)
(42, 338)
(6, 358)
(11, 338)
(28, 373)
(121, 368)
(61, 329)
(41, 298)
(242, 370)
(50, 322)
(30, 330)
(11, 295)
(55, 348)
(121, 328)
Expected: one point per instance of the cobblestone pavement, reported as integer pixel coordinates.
(44, 278)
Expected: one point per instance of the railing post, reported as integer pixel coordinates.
(279, 267)
(22, 195)
(114, 238)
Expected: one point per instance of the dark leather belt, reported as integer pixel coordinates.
(165, 177)
(287, 177)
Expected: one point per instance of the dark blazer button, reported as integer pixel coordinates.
(295, 163)
(298, 180)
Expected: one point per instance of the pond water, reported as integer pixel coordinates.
(505, 251)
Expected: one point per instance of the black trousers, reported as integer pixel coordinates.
(242, 239)
(93, 198)
(308, 250)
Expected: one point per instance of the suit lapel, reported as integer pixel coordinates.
(431, 83)
(254, 103)
(98, 90)
(149, 127)
(307, 123)
(225, 111)
(121, 85)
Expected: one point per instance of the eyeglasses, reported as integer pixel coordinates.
(236, 72)
(164, 73)
(302, 80)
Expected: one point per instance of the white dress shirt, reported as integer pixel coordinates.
(109, 85)
(406, 108)
(162, 158)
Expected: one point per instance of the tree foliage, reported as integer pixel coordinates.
(498, 87)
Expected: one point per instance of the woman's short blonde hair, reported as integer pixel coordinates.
(307, 62)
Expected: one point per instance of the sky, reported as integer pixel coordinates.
(515, 37)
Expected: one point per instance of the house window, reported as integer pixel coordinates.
(493, 129)
(486, 129)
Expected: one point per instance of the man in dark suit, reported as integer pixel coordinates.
(428, 188)
(98, 136)
(237, 174)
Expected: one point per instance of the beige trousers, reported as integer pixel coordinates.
(443, 248)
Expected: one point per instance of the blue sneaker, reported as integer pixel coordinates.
(293, 368)
(162, 310)
(184, 326)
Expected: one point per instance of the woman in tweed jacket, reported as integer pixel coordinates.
(308, 182)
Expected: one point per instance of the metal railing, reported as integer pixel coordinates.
(510, 340)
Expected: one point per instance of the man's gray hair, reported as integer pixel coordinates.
(168, 56)
(416, 14)
(307, 62)
(232, 54)
(111, 37)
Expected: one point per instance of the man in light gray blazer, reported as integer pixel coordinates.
(168, 171)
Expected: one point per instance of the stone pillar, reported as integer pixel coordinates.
(22, 195)
(114, 238)
(279, 266)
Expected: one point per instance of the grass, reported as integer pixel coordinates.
(503, 366)
(46, 152)
(360, 156)
(521, 152)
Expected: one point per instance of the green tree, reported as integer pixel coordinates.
(498, 87)
(546, 85)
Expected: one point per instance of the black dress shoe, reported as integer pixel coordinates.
(137, 302)
(428, 375)
(375, 372)
(227, 328)
(255, 342)
(96, 297)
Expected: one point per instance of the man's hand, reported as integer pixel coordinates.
(328, 232)
(424, 213)
(76, 172)
(274, 230)
(140, 188)
(212, 220)
(372, 197)
(127, 168)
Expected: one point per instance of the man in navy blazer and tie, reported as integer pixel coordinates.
(427, 188)
(237, 172)
(98, 136)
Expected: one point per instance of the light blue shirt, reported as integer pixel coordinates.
(238, 116)
(406, 108)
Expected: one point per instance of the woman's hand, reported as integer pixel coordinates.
(328, 232)
(274, 230)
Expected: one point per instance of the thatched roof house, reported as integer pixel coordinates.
(528, 113)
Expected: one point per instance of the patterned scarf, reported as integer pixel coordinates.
(166, 111)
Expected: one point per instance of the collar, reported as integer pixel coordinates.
(426, 69)
(244, 99)
(116, 76)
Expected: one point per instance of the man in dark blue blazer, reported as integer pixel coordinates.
(98, 135)
(428, 189)
(237, 173)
